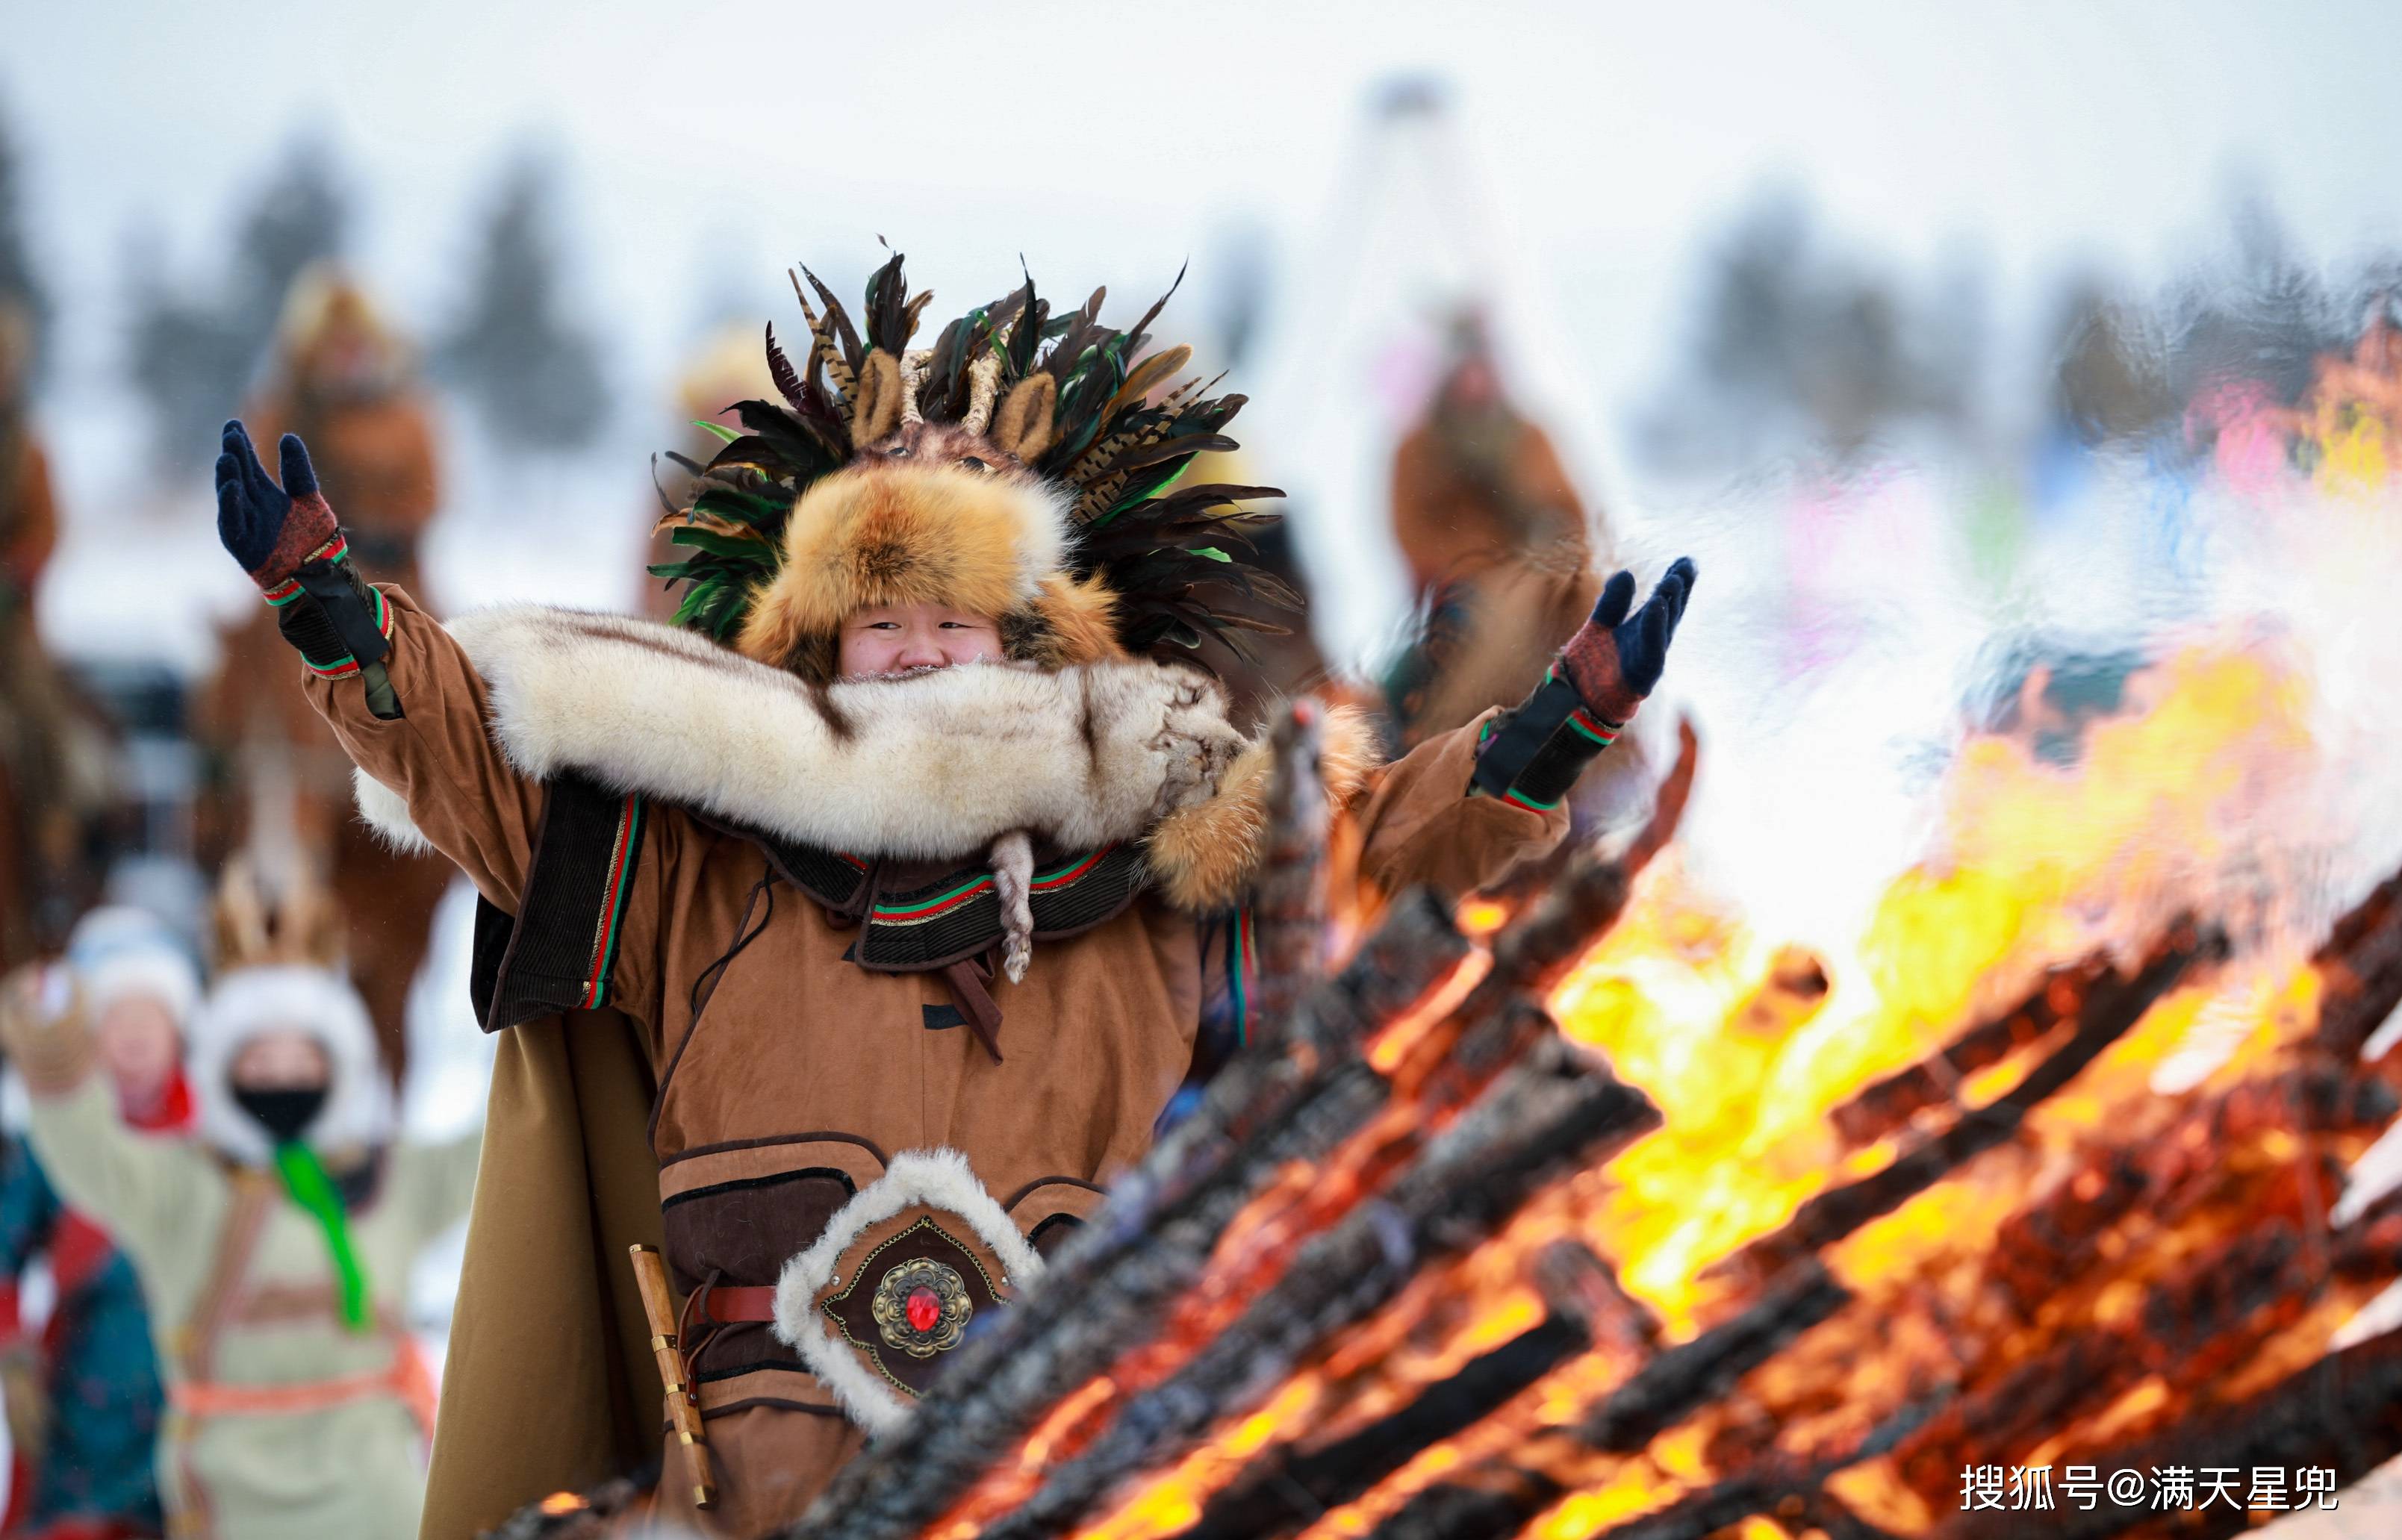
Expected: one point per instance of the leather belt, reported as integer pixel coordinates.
(737, 1306)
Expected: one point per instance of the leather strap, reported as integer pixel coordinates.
(971, 980)
(735, 1306)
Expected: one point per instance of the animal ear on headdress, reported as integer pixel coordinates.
(260, 922)
(1022, 427)
(876, 410)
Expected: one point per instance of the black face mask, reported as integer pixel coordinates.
(284, 1113)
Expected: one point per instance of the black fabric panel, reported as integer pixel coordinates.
(1095, 897)
(342, 594)
(962, 932)
(942, 1018)
(305, 625)
(549, 958)
(494, 925)
(1524, 735)
(1556, 767)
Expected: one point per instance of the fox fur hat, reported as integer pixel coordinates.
(1020, 468)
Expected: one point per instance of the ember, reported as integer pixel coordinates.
(2040, 1180)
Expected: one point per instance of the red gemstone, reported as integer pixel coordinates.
(925, 1308)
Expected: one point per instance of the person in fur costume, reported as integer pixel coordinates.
(343, 381)
(273, 1245)
(851, 945)
(84, 1398)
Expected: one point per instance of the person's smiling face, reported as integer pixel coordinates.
(903, 638)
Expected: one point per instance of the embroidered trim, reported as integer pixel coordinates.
(909, 912)
(619, 881)
(1241, 947)
(286, 591)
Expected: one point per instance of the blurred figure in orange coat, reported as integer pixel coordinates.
(1496, 539)
(346, 384)
(52, 774)
(728, 366)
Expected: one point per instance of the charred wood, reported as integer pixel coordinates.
(2343, 1412)
(1501, 1497)
(1559, 1112)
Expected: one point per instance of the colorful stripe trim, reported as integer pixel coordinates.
(1516, 798)
(1066, 875)
(943, 903)
(1239, 951)
(1586, 725)
(932, 907)
(613, 909)
(286, 591)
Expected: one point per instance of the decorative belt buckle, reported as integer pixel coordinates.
(879, 1299)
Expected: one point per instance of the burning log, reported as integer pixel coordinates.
(1933, 1081)
(1546, 1117)
(1289, 916)
(1501, 1497)
(2110, 1006)
(1294, 1487)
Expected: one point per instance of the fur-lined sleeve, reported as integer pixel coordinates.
(1422, 827)
(463, 795)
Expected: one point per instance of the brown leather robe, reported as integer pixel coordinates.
(775, 1077)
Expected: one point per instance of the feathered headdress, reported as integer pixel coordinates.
(1019, 467)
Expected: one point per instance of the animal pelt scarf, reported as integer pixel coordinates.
(960, 763)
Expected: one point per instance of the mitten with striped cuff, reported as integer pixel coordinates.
(1531, 756)
(287, 540)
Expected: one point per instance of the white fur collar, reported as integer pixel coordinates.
(358, 1110)
(931, 767)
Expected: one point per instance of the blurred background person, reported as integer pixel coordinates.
(83, 1395)
(728, 366)
(275, 1244)
(50, 783)
(339, 377)
(1498, 549)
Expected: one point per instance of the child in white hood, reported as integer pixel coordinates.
(274, 1247)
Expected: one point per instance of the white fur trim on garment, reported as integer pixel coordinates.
(936, 1178)
(934, 766)
(358, 1110)
(385, 811)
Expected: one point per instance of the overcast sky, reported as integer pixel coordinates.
(707, 145)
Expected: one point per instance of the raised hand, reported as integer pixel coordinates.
(270, 530)
(1615, 659)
